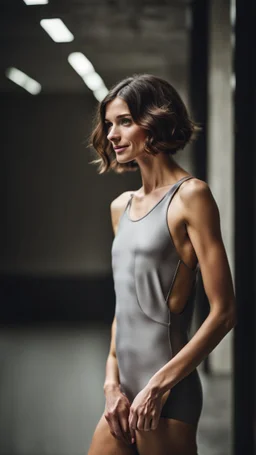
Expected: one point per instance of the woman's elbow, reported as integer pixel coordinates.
(228, 317)
(231, 320)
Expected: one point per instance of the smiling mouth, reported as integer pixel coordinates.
(120, 149)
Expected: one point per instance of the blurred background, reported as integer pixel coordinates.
(56, 287)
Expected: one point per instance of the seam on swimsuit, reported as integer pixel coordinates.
(191, 298)
(169, 335)
(172, 283)
(192, 294)
(165, 324)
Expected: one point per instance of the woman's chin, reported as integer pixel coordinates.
(124, 159)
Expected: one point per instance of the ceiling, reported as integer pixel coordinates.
(119, 37)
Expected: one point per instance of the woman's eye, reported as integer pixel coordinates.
(126, 120)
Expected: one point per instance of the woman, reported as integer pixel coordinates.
(164, 231)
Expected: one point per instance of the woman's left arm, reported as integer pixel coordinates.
(202, 220)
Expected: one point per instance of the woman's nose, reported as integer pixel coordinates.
(113, 134)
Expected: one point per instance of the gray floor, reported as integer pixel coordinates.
(51, 393)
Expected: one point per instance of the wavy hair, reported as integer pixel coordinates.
(154, 105)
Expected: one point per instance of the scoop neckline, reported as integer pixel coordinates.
(144, 216)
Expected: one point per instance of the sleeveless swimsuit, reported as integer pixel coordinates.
(145, 263)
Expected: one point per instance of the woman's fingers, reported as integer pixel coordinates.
(133, 435)
(124, 423)
(132, 420)
(118, 429)
(140, 422)
(116, 413)
(147, 423)
(154, 422)
(125, 428)
(143, 422)
(113, 427)
(109, 420)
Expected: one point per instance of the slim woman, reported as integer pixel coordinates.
(164, 231)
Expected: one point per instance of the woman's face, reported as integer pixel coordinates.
(127, 138)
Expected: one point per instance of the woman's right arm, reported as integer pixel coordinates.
(117, 404)
(112, 375)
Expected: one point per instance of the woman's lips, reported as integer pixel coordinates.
(120, 149)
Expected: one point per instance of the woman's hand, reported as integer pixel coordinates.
(145, 409)
(116, 413)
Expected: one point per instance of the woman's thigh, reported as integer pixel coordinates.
(104, 443)
(171, 437)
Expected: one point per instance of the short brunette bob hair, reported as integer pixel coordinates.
(155, 106)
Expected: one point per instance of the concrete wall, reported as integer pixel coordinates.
(220, 145)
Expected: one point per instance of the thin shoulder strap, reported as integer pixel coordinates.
(176, 186)
(170, 193)
(172, 190)
(126, 206)
(183, 179)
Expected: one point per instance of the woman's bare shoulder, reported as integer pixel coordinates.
(194, 190)
(120, 200)
(198, 201)
(117, 208)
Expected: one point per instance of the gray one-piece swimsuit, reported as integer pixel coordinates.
(145, 263)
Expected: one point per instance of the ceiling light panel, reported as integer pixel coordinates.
(80, 63)
(36, 2)
(93, 81)
(100, 93)
(23, 80)
(57, 30)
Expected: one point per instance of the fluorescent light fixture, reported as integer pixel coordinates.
(80, 63)
(23, 80)
(100, 93)
(93, 81)
(57, 30)
(85, 69)
(36, 2)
